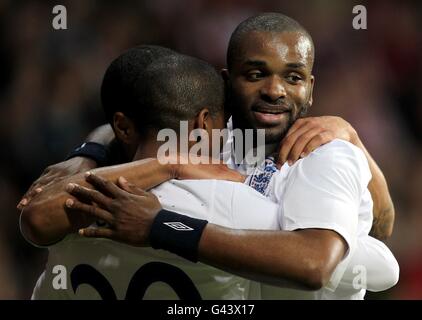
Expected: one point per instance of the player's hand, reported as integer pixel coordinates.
(56, 173)
(128, 210)
(307, 134)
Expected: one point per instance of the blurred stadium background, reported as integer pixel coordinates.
(49, 94)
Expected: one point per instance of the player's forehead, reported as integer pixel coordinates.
(276, 48)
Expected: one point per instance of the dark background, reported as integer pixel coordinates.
(50, 79)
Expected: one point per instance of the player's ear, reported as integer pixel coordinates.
(125, 129)
(203, 120)
(311, 98)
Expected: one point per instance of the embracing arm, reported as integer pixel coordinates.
(382, 225)
(307, 134)
(103, 135)
(45, 220)
(303, 259)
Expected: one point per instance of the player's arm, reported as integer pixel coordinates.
(321, 229)
(384, 213)
(306, 258)
(309, 133)
(320, 203)
(303, 259)
(45, 220)
(103, 135)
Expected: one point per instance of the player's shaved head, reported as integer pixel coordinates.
(266, 22)
(177, 87)
(118, 87)
(157, 88)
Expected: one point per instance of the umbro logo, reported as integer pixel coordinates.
(178, 226)
(80, 147)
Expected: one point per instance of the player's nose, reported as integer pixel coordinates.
(273, 89)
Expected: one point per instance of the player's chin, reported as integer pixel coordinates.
(276, 134)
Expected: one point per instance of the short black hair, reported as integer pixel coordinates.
(176, 88)
(118, 86)
(265, 22)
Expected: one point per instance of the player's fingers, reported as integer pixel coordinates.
(97, 233)
(28, 196)
(317, 141)
(32, 193)
(288, 142)
(25, 198)
(298, 148)
(296, 125)
(130, 187)
(36, 187)
(91, 210)
(88, 195)
(103, 185)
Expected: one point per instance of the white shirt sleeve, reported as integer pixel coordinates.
(372, 267)
(324, 191)
(253, 211)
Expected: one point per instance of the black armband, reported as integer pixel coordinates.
(177, 233)
(92, 150)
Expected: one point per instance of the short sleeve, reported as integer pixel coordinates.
(251, 210)
(324, 190)
(372, 267)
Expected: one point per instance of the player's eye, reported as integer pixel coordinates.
(294, 78)
(254, 75)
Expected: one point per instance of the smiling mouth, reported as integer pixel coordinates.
(270, 118)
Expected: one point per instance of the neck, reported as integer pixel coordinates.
(271, 149)
(147, 148)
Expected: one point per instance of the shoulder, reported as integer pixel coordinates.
(342, 147)
(336, 158)
(338, 152)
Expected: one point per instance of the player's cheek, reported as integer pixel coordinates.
(249, 93)
(299, 93)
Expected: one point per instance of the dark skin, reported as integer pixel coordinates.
(271, 86)
(305, 258)
(125, 226)
(45, 221)
(315, 263)
(259, 82)
(311, 268)
(271, 82)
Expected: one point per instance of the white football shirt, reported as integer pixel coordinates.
(101, 267)
(309, 201)
(328, 190)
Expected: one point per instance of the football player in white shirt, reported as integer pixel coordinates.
(264, 271)
(119, 262)
(102, 268)
(274, 84)
(371, 256)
